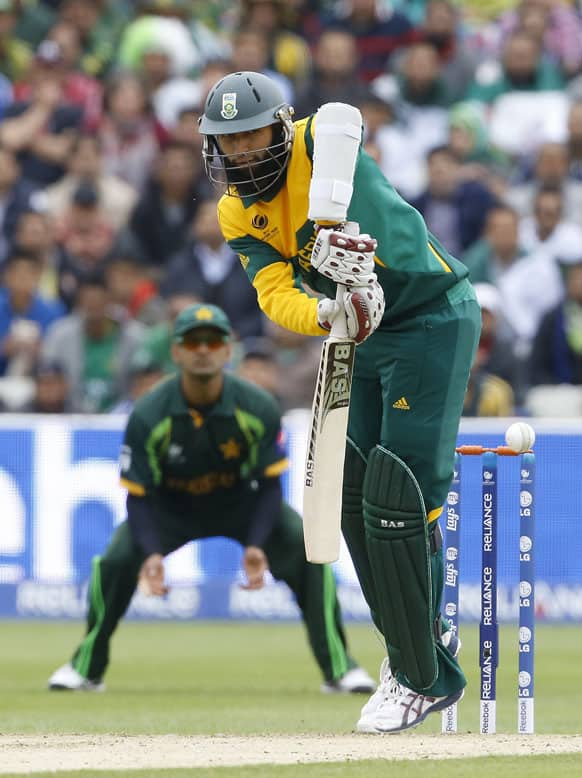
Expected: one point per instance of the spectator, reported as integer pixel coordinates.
(289, 53)
(94, 347)
(574, 141)
(35, 234)
(143, 376)
(421, 80)
(41, 129)
(334, 78)
(499, 248)
(209, 269)
(469, 140)
(455, 210)
(250, 51)
(157, 343)
(556, 356)
(24, 314)
(84, 232)
(556, 27)
(99, 24)
(379, 32)
(129, 133)
(551, 171)
(547, 228)
(162, 216)
(490, 391)
(185, 130)
(85, 165)
(522, 67)
(458, 60)
(15, 55)
(259, 365)
(60, 51)
(167, 92)
(51, 390)
(15, 195)
(132, 290)
(421, 102)
(170, 25)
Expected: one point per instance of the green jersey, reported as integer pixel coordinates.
(191, 458)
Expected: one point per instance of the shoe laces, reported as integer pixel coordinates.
(389, 688)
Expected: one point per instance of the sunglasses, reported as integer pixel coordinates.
(213, 341)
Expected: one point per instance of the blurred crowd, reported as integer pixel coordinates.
(108, 226)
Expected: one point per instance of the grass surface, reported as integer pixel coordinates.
(206, 678)
(566, 765)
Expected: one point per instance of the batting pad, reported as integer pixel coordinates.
(398, 549)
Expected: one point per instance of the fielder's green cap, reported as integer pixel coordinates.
(201, 315)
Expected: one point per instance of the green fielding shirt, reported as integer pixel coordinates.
(189, 460)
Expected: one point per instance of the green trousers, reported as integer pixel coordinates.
(407, 395)
(114, 579)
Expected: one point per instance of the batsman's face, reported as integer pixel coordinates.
(246, 147)
(203, 352)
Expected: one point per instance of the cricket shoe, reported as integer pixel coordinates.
(383, 691)
(355, 681)
(66, 678)
(403, 709)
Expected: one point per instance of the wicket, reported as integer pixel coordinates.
(488, 628)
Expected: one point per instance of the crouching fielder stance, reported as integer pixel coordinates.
(409, 306)
(201, 458)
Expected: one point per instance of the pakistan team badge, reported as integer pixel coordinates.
(229, 109)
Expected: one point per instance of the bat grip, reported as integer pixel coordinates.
(339, 328)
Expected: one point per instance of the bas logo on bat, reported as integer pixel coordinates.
(338, 382)
(333, 390)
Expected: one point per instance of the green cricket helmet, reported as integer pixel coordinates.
(242, 102)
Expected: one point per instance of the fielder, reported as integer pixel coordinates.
(412, 310)
(201, 458)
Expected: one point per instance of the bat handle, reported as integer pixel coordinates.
(339, 328)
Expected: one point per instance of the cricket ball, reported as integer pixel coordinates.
(520, 436)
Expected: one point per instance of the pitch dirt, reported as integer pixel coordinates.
(46, 753)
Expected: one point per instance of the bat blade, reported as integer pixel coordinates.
(322, 495)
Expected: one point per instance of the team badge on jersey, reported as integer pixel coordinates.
(229, 109)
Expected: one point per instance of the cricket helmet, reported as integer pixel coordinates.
(242, 102)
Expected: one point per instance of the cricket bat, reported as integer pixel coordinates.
(337, 139)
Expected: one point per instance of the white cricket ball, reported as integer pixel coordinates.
(520, 436)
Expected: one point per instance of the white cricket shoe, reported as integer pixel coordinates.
(383, 691)
(355, 681)
(66, 678)
(403, 709)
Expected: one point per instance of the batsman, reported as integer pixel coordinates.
(289, 188)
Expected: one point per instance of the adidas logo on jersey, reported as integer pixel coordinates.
(401, 404)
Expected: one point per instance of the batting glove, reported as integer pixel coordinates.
(364, 310)
(362, 307)
(345, 259)
(327, 310)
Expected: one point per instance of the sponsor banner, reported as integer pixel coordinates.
(61, 502)
(223, 599)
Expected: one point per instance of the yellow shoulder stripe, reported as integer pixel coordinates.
(277, 468)
(283, 303)
(137, 490)
(442, 262)
(433, 515)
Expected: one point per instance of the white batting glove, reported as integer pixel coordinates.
(327, 310)
(346, 259)
(364, 310)
(362, 307)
